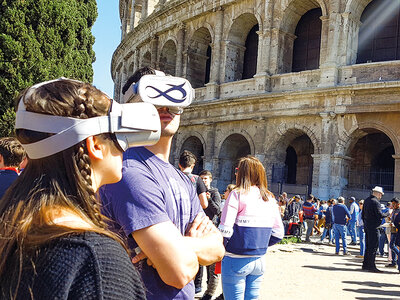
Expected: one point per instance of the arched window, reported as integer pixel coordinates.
(306, 49)
(378, 38)
(250, 54)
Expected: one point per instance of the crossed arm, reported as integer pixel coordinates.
(175, 257)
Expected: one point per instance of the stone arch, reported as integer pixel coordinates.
(343, 145)
(371, 160)
(231, 149)
(195, 145)
(146, 59)
(168, 54)
(236, 45)
(291, 16)
(378, 38)
(199, 57)
(356, 7)
(292, 156)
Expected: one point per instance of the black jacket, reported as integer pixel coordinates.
(372, 214)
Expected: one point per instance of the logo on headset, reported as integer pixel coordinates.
(167, 94)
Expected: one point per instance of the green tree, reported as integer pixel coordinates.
(42, 40)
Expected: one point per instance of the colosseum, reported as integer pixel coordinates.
(310, 87)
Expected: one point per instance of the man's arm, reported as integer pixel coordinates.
(171, 255)
(206, 240)
(203, 200)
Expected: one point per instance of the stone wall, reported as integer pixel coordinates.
(321, 113)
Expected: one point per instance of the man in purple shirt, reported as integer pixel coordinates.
(157, 207)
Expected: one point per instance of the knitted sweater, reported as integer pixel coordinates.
(81, 266)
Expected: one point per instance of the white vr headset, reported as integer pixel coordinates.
(133, 124)
(175, 93)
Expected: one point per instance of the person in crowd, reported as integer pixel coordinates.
(187, 161)
(383, 239)
(395, 229)
(157, 207)
(354, 211)
(229, 188)
(54, 242)
(250, 223)
(11, 155)
(372, 217)
(309, 210)
(294, 208)
(285, 197)
(341, 215)
(282, 207)
(360, 230)
(320, 216)
(328, 226)
(212, 211)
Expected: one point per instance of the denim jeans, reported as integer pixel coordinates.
(329, 232)
(242, 277)
(361, 235)
(352, 231)
(382, 241)
(395, 250)
(340, 232)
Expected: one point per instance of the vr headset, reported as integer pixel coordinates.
(176, 93)
(133, 124)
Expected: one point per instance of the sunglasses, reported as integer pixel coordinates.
(174, 110)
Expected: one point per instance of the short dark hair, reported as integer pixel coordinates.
(310, 196)
(206, 173)
(187, 159)
(395, 200)
(12, 151)
(135, 77)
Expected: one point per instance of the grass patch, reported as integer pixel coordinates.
(290, 240)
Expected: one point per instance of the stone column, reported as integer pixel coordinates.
(261, 77)
(154, 52)
(321, 175)
(137, 10)
(330, 37)
(144, 9)
(180, 50)
(339, 174)
(396, 187)
(209, 147)
(216, 59)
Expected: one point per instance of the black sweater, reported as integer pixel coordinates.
(81, 266)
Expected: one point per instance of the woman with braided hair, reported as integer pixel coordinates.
(54, 242)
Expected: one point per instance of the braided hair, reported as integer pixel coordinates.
(61, 181)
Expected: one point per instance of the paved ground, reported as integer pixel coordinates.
(312, 271)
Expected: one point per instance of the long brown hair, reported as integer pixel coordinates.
(58, 182)
(251, 172)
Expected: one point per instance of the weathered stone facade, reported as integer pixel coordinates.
(333, 128)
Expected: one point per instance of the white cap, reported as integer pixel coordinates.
(378, 189)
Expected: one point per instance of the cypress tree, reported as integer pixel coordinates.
(42, 40)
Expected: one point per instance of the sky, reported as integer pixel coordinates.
(107, 31)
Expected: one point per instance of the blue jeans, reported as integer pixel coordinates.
(340, 232)
(329, 232)
(361, 235)
(352, 231)
(395, 250)
(382, 241)
(242, 277)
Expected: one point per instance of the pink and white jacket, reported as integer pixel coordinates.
(250, 223)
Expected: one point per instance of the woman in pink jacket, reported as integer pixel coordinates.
(250, 223)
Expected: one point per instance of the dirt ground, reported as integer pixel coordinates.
(313, 271)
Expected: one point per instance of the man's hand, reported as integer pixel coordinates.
(140, 256)
(201, 226)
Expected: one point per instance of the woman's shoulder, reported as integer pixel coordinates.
(91, 260)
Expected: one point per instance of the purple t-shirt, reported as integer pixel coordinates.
(151, 191)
